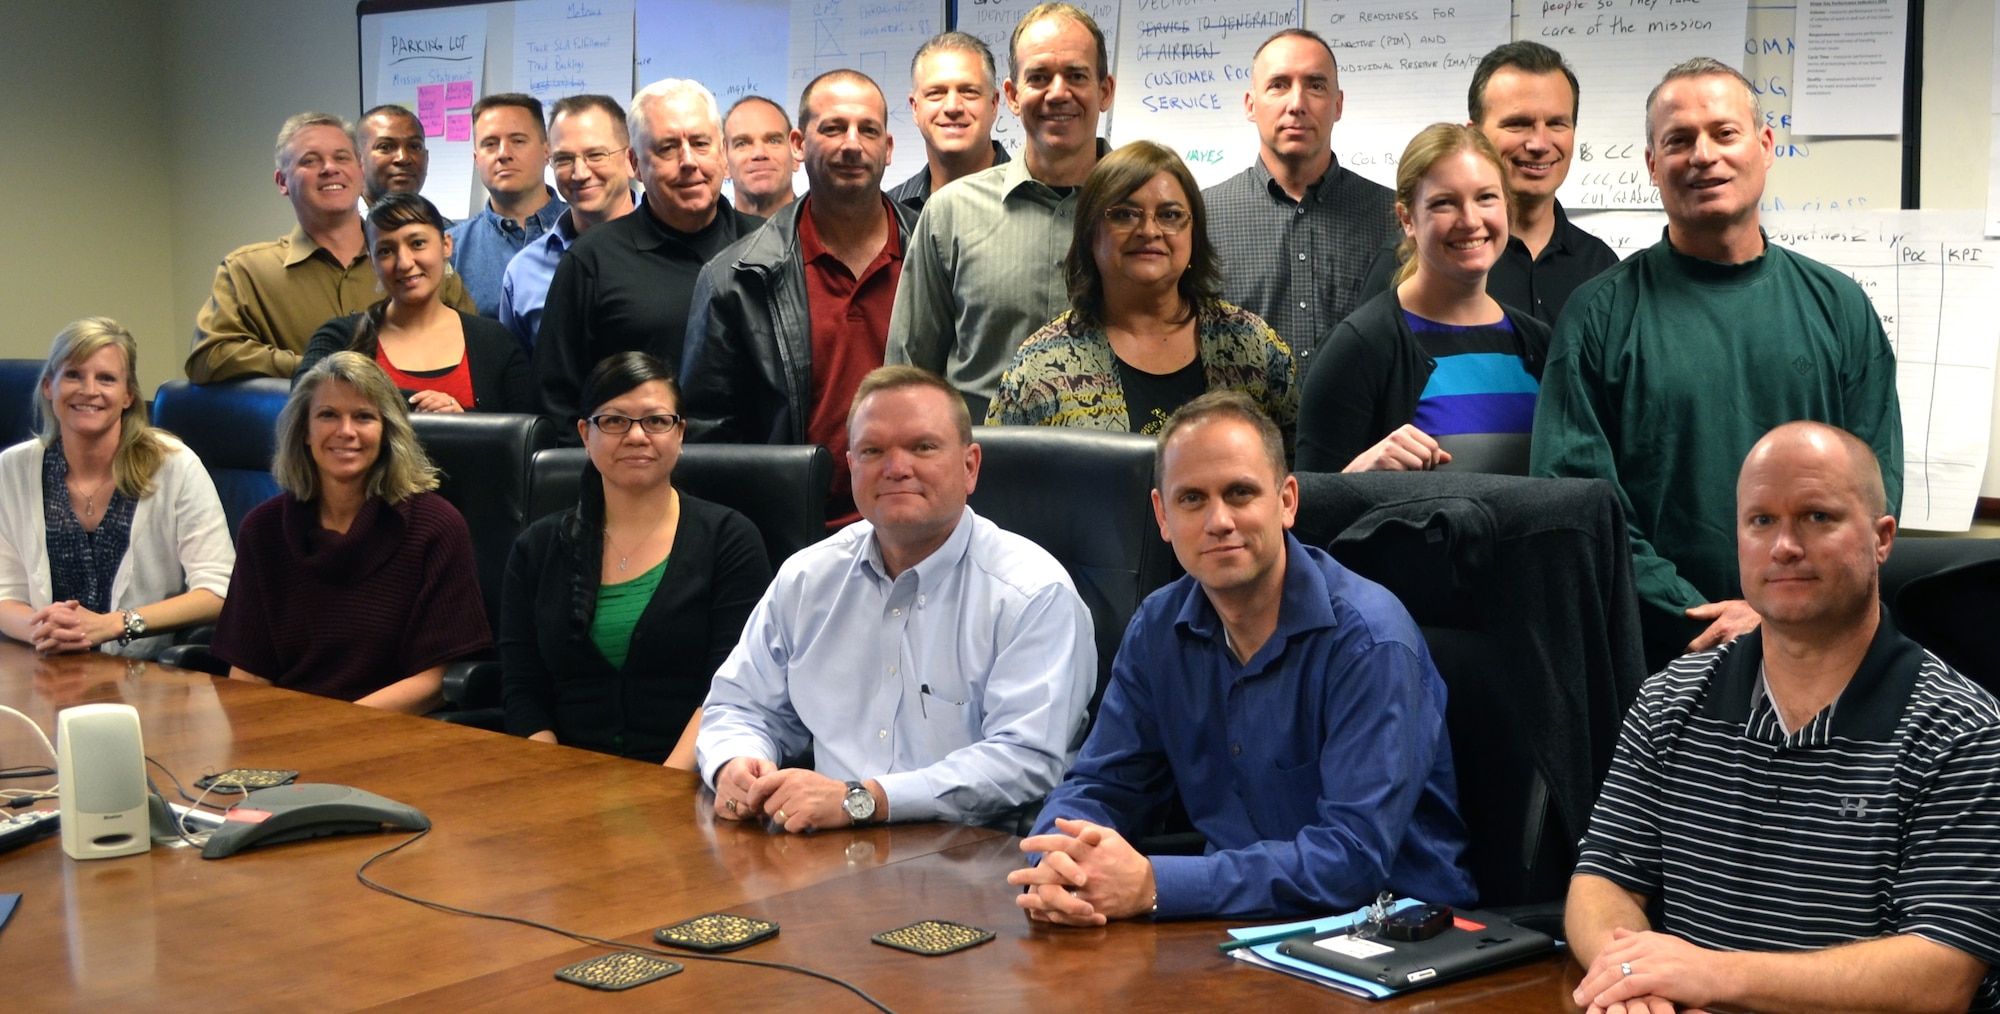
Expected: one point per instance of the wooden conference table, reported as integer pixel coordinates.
(595, 844)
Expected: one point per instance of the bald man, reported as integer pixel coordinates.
(1812, 805)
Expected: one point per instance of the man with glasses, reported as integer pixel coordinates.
(935, 666)
(1289, 703)
(789, 319)
(628, 285)
(593, 165)
(511, 148)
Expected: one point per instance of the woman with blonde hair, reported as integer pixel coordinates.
(110, 530)
(1146, 331)
(1434, 360)
(358, 581)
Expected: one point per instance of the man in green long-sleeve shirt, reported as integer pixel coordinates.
(1666, 369)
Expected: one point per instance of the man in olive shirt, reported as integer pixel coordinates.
(984, 269)
(269, 298)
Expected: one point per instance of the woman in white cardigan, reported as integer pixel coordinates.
(111, 534)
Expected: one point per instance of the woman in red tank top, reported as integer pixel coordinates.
(441, 359)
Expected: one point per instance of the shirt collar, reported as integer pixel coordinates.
(1304, 606)
(300, 247)
(1016, 177)
(546, 216)
(1867, 709)
(1316, 191)
(931, 569)
(810, 247)
(656, 233)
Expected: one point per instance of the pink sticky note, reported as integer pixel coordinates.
(430, 108)
(458, 127)
(458, 95)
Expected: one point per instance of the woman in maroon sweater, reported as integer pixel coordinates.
(358, 581)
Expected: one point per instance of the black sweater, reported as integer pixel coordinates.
(553, 676)
(501, 380)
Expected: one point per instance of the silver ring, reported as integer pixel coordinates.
(1625, 967)
(730, 805)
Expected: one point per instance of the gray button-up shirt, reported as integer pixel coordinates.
(1298, 264)
(983, 271)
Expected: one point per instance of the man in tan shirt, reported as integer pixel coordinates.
(269, 298)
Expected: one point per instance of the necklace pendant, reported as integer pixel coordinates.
(621, 563)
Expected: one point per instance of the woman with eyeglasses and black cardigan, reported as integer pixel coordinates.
(615, 613)
(1146, 331)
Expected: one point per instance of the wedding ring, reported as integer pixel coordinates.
(1625, 967)
(781, 822)
(730, 805)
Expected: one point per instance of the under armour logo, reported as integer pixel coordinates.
(1853, 806)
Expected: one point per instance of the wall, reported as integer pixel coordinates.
(86, 178)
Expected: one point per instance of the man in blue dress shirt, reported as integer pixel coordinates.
(937, 667)
(1291, 702)
(511, 150)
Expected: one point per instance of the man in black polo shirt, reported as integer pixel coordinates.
(627, 285)
(1813, 807)
(1524, 99)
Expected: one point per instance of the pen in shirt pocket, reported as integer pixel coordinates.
(924, 690)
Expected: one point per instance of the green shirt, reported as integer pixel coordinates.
(618, 609)
(1666, 369)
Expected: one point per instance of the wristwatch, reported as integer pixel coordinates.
(859, 804)
(135, 626)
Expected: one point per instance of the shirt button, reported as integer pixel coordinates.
(920, 600)
(895, 612)
(1302, 305)
(892, 670)
(884, 734)
(1236, 750)
(1302, 256)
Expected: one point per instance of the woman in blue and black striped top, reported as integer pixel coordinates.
(1434, 371)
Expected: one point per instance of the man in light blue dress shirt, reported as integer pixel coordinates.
(591, 153)
(937, 667)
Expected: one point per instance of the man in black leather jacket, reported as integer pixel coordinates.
(787, 320)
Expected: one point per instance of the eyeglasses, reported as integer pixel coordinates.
(619, 424)
(595, 160)
(1172, 219)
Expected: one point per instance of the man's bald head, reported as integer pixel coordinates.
(1863, 469)
(1812, 531)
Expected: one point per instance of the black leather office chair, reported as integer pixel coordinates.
(1523, 590)
(233, 428)
(17, 399)
(484, 460)
(1945, 595)
(1086, 497)
(781, 489)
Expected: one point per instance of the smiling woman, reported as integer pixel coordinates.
(617, 612)
(1145, 332)
(110, 530)
(358, 581)
(1435, 360)
(443, 360)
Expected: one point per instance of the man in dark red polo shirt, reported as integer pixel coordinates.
(788, 320)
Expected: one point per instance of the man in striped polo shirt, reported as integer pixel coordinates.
(1812, 810)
